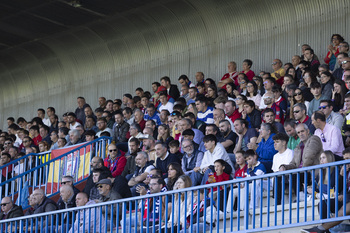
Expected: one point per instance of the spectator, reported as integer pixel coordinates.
(192, 94)
(232, 111)
(269, 117)
(278, 71)
(79, 111)
(165, 104)
(318, 97)
(152, 114)
(307, 153)
(269, 82)
(134, 148)
(229, 138)
(9, 209)
(294, 140)
(230, 77)
(219, 115)
(120, 128)
(87, 217)
(299, 111)
(192, 158)
(164, 134)
(74, 137)
(205, 113)
(142, 169)
(164, 158)
(333, 50)
(185, 124)
(252, 93)
(245, 135)
(67, 200)
(330, 135)
(338, 95)
(283, 156)
(34, 132)
(138, 114)
(251, 115)
(174, 172)
(102, 126)
(309, 56)
(41, 115)
(171, 89)
(72, 120)
(43, 205)
(115, 160)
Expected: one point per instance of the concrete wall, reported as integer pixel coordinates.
(123, 52)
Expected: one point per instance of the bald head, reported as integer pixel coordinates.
(66, 192)
(6, 204)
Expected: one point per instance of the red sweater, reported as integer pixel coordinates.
(223, 177)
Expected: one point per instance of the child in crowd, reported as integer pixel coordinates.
(218, 176)
(241, 172)
(255, 168)
(174, 148)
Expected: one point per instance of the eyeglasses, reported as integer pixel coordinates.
(243, 82)
(186, 147)
(274, 63)
(173, 114)
(267, 97)
(296, 111)
(153, 176)
(335, 38)
(112, 150)
(64, 182)
(323, 107)
(323, 138)
(100, 186)
(344, 62)
(299, 93)
(250, 86)
(25, 141)
(4, 204)
(6, 143)
(239, 98)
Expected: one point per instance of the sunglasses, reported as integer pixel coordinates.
(4, 204)
(299, 93)
(274, 63)
(100, 186)
(112, 150)
(64, 182)
(323, 107)
(344, 62)
(323, 138)
(297, 111)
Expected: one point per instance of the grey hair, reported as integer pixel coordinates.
(186, 140)
(302, 106)
(305, 126)
(144, 154)
(75, 132)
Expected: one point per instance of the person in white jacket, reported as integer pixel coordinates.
(214, 151)
(91, 216)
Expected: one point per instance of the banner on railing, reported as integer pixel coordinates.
(76, 164)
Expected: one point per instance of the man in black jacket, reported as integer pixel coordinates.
(172, 90)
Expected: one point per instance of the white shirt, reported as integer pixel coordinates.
(74, 126)
(169, 106)
(284, 158)
(219, 152)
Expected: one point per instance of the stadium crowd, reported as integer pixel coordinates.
(295, 115)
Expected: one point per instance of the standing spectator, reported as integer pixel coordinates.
(172, 90)
(316, 90)
(205, 113)
(79, 111)
(120, 128)
(333, 51)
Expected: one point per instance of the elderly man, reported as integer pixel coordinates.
(115, 161)
(143, 167)
(9, 209)
(187, 124)
(108, 194)
(278, 71)
(74, 137)
(66, 201)
(192, 159)
(329, 134)
(306, 154)
(43, 205)
(87, 219)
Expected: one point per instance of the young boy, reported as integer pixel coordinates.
(241, 172)
(174, 148)
(255, 168)
(218, 176)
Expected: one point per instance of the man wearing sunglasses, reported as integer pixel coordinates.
(346, 67)
(329, 134)
(332, 118)
(9, 209)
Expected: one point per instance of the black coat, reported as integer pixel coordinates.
(15, 212)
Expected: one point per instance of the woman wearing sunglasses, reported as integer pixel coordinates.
(298, 98)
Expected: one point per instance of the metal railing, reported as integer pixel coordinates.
(166, 211)
(35, 172)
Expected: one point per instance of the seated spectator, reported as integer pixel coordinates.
(265, 149)
(230, 77)
(299, 111)
(316, 90)
(165, 104)
(252, 93)
(310, 56)
(307, 153)
(241, 172)
(90, 124)
(205, 113)
(43, 205)
(63, 132)
(244, 134)
(251, 115)
(171, 89)
(185, 124)
(269, 100)
(74, 137)
(174, 172)
(164, 134)
(150, 212)
(149, 147)
(219, 176)
(67, 200)
(174, 149)
(283, 156)
(108, 194)
(97, 175)
(294, 140)
(192, 158)
(232, 111)
(278, 71)
(214, 151)
(85, 218)
(6, 172)
(327, 81)
(269, 117)
(115, 160)
(255, 168)
(341, 200)
(332, 118)
(329, 134)
(134, 148)
(229, 138)
(280, 101)
(152, 114)
(102, 126)
(9, 210)
(269, 82)
(72, 120)
(164, 158)
(34, 132)
(219, 115)
(142, 169)
(120, 128)
(139, 115)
